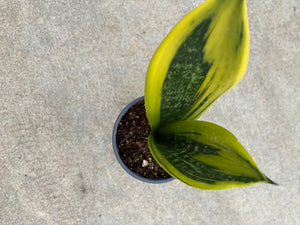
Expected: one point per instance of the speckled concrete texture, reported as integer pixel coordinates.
(68, 67)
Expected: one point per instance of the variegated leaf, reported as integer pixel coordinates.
(204, 155)
(203, 56)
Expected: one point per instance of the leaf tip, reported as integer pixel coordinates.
(270, 181)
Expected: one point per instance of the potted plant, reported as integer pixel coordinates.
(203, 56)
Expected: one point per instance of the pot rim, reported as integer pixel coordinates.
(116, 149)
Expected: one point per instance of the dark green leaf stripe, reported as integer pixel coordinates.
(184, 93)
(185, 75)
(181, 152)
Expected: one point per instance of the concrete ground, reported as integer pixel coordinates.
(68, 67)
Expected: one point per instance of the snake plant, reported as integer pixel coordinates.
(203, 56)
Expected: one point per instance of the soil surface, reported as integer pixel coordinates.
(132, 141)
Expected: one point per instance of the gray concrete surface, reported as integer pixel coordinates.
(67, 68)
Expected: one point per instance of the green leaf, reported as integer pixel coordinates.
(204, 155)
(203, 56)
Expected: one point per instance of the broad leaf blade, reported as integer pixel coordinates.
(204, 155)
(203, 56)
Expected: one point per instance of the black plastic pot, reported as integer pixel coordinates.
(116, 149)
